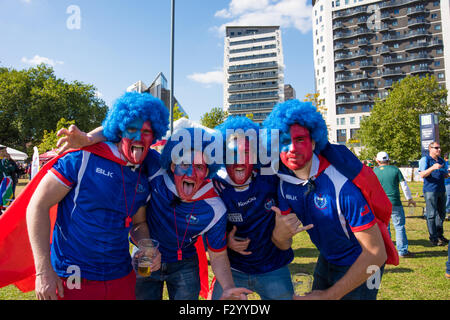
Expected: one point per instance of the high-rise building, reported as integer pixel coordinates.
(253, 70)
(158, 89)
(289, 92)
(361, 47)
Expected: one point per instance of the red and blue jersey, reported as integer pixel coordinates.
(249, 210)
(176, 224)
(91, 230)
(335, 206)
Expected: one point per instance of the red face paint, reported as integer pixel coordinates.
(300, 150)
(240, 173)
(136, 141)
(189, 177)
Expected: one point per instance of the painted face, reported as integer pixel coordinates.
(189, 177)
(136, 141)
(296, 148)
(240, 172)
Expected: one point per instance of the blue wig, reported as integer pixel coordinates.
(305, 114)
(193, 139)
(133, 105)
(235, 123)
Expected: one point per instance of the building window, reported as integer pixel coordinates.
(338, 3)
(436, 4)
(437, 63)
(323, 48)
(437, 27)
(433, 15)
(342, 121)
(321, 8)
(352, 120)
(440, 76)
(396, 11)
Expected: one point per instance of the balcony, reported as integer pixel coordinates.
(424, 44)
(396, 3)
(254, 96)
(341, 90)
(350, 55)
(344, 100)
(252, 76)
(416, 10)
(339, 46)
(253, 66)
(340, 67)
(392, 73)
(417, 57)
(367, 88)
(418, 21)
(388, 61)
(252, 106)
(366, 64)
(419, 69)
(338, 25)
(349, 12)
(252, 86)
(351, 77)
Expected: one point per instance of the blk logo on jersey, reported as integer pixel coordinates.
(269, 204)
(320, 202)
(103, 172)
(291, 197)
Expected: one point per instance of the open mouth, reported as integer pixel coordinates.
(137, 151)
(188, 188)
(239, 173)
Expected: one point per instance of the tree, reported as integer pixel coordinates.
(213, 118)
(49, 140)
(34, 100)
(177, 114)
(393, 125)
(318, 103)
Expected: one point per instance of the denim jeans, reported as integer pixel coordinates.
(435, 208)
(398, 220)
(447, 204)
(448, 261)
(181, 277)
(327, 274)
(274, 285)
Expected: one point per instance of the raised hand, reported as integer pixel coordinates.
(287, 226)
(73, 138)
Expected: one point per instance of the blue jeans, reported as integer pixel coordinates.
(398, 220)
(181, 277)
(274, 285)
(448, 261)
(435, 208)
(447, 204)
(327, 274)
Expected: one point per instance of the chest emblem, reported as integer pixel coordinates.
(269, 204)
(320, 202)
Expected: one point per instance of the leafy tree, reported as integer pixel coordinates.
(49, 140)
(177, 114)
(314, 98)
(393, 125)
(213, 118)
(34, 100)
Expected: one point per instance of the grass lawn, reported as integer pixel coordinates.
(418, 278)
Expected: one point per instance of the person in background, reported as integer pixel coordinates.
(447, 190)
(390, 178)
(434, 170)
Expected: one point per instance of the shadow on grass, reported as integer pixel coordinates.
(398, 270)
(428, 254)
(306, 252)
(420, 242)
(296, 267)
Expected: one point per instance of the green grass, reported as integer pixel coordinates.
(418, 278)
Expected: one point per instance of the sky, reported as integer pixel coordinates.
(113, 44)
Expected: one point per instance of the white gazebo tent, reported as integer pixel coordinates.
(16, 154)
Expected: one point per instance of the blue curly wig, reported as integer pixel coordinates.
(193, 145)
(305, 114)
(235, 123)
(133, 105)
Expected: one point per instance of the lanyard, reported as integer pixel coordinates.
(179, 252)
(128, 219)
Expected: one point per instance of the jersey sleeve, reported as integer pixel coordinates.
(400, 175)
(422, 164)
(283, 204)
(151, 162)
(216, 237)
(65, 170)
(355, 208)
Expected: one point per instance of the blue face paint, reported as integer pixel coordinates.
(133, 130)
(285, 142)
(183, 169)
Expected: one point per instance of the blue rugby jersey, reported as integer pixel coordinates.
(249, 210)
(206, 216)
(335, 207)
(90, 230)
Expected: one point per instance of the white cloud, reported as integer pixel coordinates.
(208, 78)
(285, 13)
(38, 60)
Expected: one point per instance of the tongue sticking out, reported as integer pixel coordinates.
(137, 152)
(188, 188)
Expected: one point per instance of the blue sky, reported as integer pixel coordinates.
(116, 43)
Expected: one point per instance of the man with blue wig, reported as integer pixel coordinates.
(257, 264)
(313, 191)
(101, 192)
(184, 206)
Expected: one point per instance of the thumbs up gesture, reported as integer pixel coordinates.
(286, 226)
